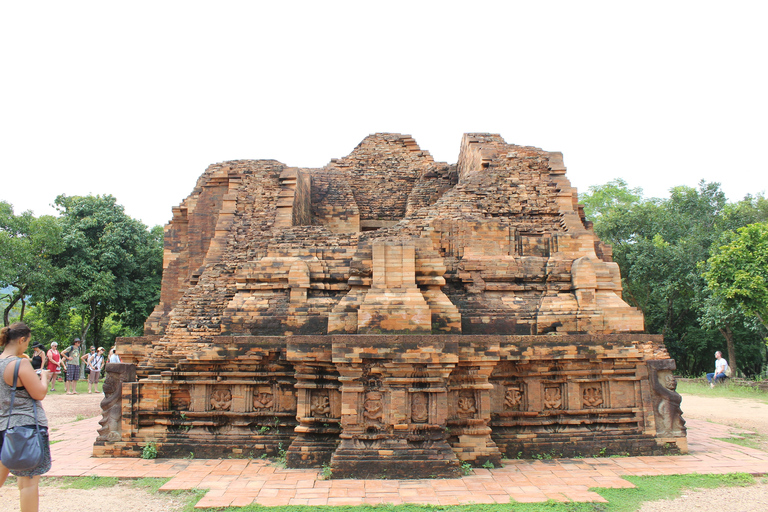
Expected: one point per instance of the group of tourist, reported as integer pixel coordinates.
(67, 364)
(35, 373)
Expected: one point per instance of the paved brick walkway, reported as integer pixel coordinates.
(239, 482)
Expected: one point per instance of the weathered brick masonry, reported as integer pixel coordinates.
(392, 316)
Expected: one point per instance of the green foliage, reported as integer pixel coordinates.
(27, 245)
(326, 473)
(149, 451)
(466, 468)
(603, 202)
(738, 271)
(281, 455)
(488, 465)
(661, 246)
(110, 265)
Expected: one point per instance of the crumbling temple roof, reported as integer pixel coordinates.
(386, 240)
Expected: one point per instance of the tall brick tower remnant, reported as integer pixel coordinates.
(393, 316)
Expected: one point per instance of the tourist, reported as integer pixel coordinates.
(71, 355)
(113, 357)
(95, 362)
(14, 340)
(54, 363)
(39, 359)
(721, 366)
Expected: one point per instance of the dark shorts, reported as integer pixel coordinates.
(45, 462)
(73, 371)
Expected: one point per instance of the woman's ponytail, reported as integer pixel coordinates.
(14, 331)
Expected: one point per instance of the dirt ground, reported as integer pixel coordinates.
(743, 413)
(736, 412)
(62, 409)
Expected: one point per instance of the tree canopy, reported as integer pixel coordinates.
(27, 245)
(110, 263)
(662, 246)
(738, 271)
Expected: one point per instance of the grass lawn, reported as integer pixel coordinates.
(81, 387)
(728, 390)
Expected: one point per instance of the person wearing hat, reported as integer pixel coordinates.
(95, 363)
(54, 363)
(71, 355)
(39, 359)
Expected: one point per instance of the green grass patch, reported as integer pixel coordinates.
(81, 387)
(150, 485)
(746, 440)
(729, 390)
(653, 488)
(80, 482)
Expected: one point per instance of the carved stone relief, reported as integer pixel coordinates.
(592, 395)
(373, 409)
(263, 401)
(320, 404)
(465, 406)
(221, 399)
(553, 397)
(514, 397)
(420, 408)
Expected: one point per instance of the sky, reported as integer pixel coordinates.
(135, 99)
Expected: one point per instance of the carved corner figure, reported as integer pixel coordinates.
(667, 401)
(111, 406)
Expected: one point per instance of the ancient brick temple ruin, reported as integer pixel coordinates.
(389, 315)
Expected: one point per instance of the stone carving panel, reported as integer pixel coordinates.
(420, 407)
(263, 401)
(221, 399)
(320, 403)
(592, 395)
(554, 397)
(373, 410)
(514, 397)
(466, 405)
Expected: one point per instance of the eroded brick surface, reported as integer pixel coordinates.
(394, 315)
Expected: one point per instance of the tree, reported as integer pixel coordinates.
(660, 246)
(602, 201)
(738, 271)
(27, 245)
(111, 264)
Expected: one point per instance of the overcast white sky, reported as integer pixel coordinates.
(136, 99)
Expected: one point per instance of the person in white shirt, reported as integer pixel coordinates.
(721, 365)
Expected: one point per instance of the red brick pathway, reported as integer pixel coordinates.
(240, 482)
